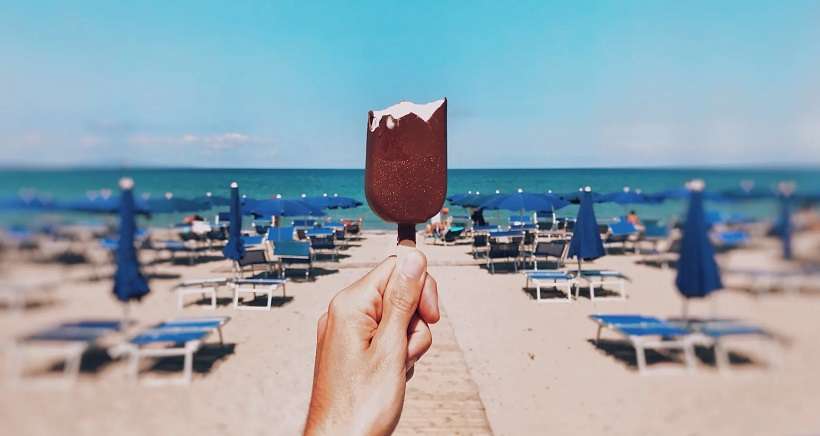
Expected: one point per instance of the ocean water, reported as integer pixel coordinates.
(264, 183)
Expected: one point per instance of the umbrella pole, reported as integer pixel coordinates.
(685, 314)
(125, 312)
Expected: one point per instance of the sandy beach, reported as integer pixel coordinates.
(500, 363)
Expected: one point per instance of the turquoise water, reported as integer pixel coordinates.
(262, 183)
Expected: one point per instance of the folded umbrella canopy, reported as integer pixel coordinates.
(586, 239)
(524, 201)
(235, 248)
(129, 283)
(698, 273)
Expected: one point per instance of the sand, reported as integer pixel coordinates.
(500, 362)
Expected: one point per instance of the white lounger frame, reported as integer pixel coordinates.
(568, 284)
(204, 288)
(70, 352)
(616, 279)
(643, 343)
(249, 287)
(187, 350)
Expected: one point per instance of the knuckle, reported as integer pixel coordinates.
(338, 306)
(402, 301)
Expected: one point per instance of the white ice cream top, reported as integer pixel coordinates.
(398, 110)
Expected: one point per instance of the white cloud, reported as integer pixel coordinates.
(212, 142)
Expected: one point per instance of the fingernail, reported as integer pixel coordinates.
(411, 264)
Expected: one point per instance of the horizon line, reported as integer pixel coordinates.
(773, 167)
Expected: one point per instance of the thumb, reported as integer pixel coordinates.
(401, 296)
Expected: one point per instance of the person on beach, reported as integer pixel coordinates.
(633, 218)
(439, 223)
(367, 343)
(478, 217)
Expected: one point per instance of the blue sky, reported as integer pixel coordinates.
(530, 84)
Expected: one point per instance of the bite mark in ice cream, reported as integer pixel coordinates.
(398, 110)
(406, 165)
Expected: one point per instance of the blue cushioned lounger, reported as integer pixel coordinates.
(184, 335)
(553, 278)
(646, 332)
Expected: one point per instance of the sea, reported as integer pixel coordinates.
(291, 183)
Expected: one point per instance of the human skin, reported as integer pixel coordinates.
(367, 342)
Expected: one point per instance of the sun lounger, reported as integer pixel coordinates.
(203, 287)
(292, 253)
(557, 249)
(256, 286)
(322, 239)
(253, 259)
(719, 333)
(646, 332)
(601, 278)
(179, 337)
(66, 342)
(504, 250)
(621, 232)
(553, 279)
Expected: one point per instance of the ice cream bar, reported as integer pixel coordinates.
(406, 167)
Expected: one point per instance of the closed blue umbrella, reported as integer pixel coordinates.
(235, 248)
(698, 272)
(784, 222)
(129, 283)
(524, 201)
(586, 239)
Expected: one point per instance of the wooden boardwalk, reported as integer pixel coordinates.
(442, 398)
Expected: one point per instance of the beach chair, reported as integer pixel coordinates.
(293, 254)
(729, 239)
(256, 286)
(279, 234)
(621, 232)
(720, 334)
(648, 333)
(66, 342)
(557, 249)
(250, 241)
(253, 259)
(481, 244)
(514, 220)
(451, 235)
(762, 281)
(600, 278)
(504, 246)
(178, 337)
(322, 240)
(202, 287)
(553, 279)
